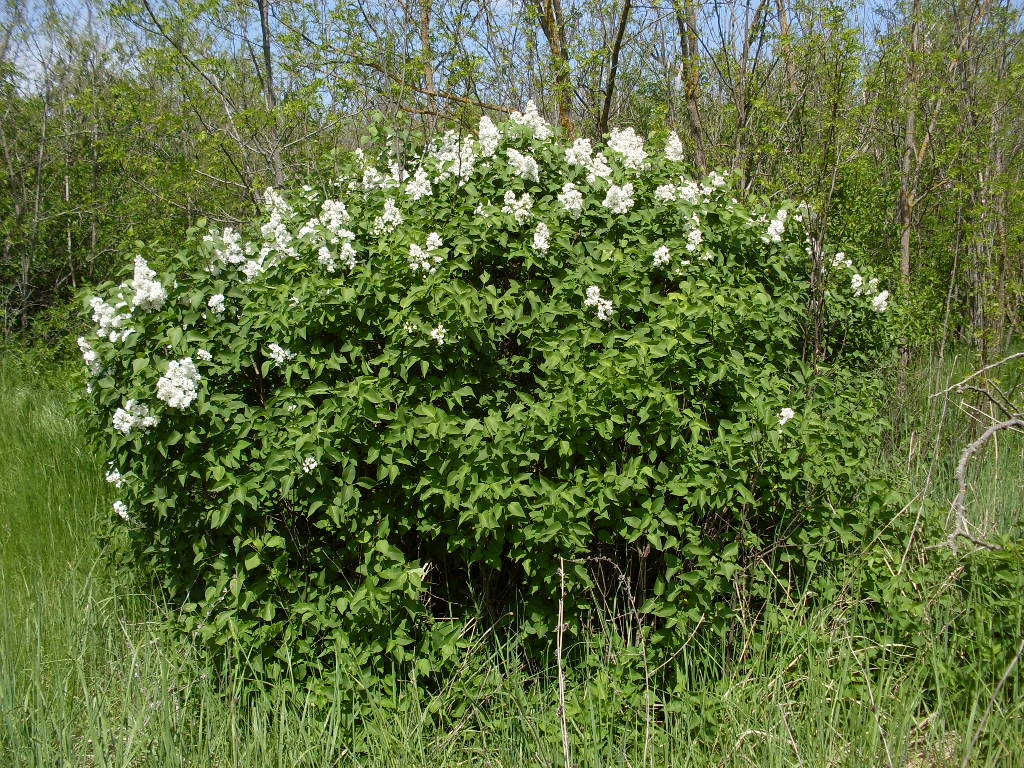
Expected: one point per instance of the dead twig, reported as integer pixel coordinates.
(960, 524)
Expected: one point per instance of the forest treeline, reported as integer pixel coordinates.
(900, 122)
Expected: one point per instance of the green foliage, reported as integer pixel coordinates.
(87, 677)
(372, 454)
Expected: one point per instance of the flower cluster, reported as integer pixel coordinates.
(229, 251)
(179, 386)
(674, 148)
(132, 416)
(524, 166)
(421, 259)
(571, 199)
(279, 354)
(662, 256)
(216, 303)
(696, 235)
(520, 208)
(531, 118)
(454, 157)
(541, 237)
(619, 199)
(861, 287)
(419, 186)
(109, 320)
(489, 137)
(114, 477)
(277, 238)
(122, 510)
(309, 464)
(439, 335)
(149, 293)
(90, 356)
(785, 415)
(630, 145)
(603, 306)
(581, 153)
(841, 260)
(389, 219)
(776, 227)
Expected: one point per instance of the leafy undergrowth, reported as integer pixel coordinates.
(910, 671)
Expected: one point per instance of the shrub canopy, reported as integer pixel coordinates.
(411, 394)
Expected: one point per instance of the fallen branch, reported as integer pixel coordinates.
(960, 529)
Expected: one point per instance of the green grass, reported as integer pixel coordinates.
(89, 678)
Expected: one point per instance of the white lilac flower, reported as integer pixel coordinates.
(109, 320)
(674, 148)
(276, 237)
(122, 510)
(841, 260)
(630, 145)
(204, 355)
(373, 179)
(149, 293)
(439, 334)
(421, 259)
(454, 157)
(133, 415)
(230, 250)
(90, 356)
(216, 303)
(603, 306)
(521, 208)
(881, 302)
(619, 199)
(541, 237)
(662, 257)
(409, 328)
(524, 165)
(776, 227)
(309, 228)
(717, 179)
(178, 387)
(279, 354)
(598, 168)
(785, 415)
(114, 477)
(253, 267)
(309, 464)
(689, 191)
(489, 137)
(348, 254)
(389, 219)
(530, 118)
(857, 284)
(872, 286)
(333, 217)
(326, 259)
(419, 186)
(580, 153)
(665, 193)
(571, 199)
(696, 235)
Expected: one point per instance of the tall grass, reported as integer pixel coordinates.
(89, 678)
